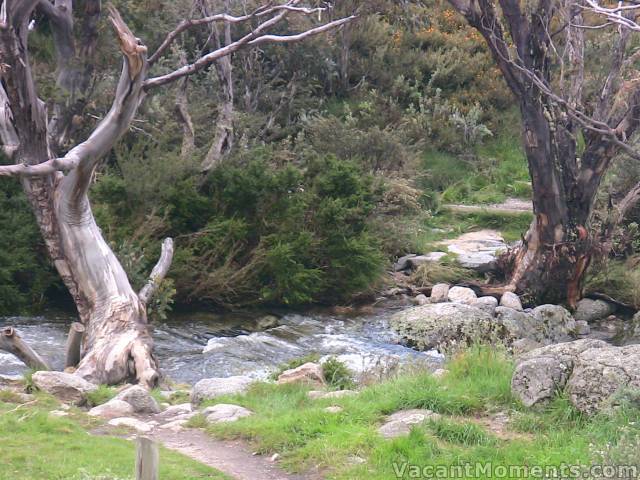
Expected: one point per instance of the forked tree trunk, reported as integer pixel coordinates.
(551, 263)
(117, 343)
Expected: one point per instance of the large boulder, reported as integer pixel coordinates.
(462, 295)
(420, 299)
(440, 293)
(599, 373)
(589, 310)
(477, 250)
(555, 322)
(309, 373)
(544, 325)
(114, 408)
(210, 388)
(133, 423)
(225, 413)
(488, 304)
(589, 371)
(66, 387)
(442, 325)
(511, 300)
(400, 423)
(140, 399)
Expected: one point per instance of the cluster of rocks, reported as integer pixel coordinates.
(591, 372)
(554, 349)
(456, 316)
(135, 408)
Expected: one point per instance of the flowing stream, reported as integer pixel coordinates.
(199, 345)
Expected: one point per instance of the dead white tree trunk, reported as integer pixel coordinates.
(117, 343)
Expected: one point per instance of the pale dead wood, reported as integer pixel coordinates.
(117, 343)
(11, 342)
(229, 19)
(250, 40)
(158, 273)
(147, 459)
(74, 345)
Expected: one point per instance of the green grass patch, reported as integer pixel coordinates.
(36, 445)
(447, 270)
(497, 170)
(347, 446)
(101, 395)
(466, 433)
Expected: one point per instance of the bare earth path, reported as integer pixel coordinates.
(231, 458)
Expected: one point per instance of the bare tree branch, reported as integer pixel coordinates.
(129, 95)
(255, 37)
(229, 19)
(74, 65)
(158, 273)
(20, 10)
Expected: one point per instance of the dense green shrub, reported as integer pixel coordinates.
(260, 234)
(25, 273)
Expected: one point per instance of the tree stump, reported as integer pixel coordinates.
(74, 345)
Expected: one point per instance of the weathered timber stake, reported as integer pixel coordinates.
(74, 344)
(11, 342)
(147, 459)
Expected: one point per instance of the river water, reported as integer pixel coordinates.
(199, 345)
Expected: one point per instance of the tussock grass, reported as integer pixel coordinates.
(618, 278)
(101, 395)
(347, 446)
(497, 170)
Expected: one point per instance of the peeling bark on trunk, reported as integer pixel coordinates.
(556, 251)
(117, 343)
(555, 254)
(118, 346)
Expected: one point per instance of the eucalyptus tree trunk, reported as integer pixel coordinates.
(545, 73)
(117, 344)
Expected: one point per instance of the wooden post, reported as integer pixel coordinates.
(11, 342)
(147, 459)
(74, 344)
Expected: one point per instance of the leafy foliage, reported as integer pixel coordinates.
(344, 145)
(276, 236)
(25, 273)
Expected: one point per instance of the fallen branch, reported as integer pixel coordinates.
(11, 342)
